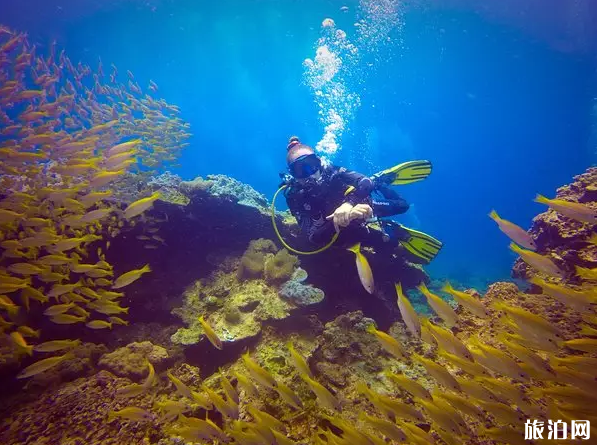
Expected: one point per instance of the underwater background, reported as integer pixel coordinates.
(498, 95)
(151, 295)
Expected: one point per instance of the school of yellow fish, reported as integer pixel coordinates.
(476, 391)
(68, 139)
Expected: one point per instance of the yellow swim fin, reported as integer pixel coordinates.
(421, 245)
(405, 173)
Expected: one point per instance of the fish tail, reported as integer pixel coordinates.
(515, 248)
(583, 272)
(146, 268)
(422, 287)
(356, 249)
(448, 287)
(493, 215)
(541, 199)
(398, 287)
(111, 416)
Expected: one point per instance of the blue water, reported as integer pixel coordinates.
(501, 111)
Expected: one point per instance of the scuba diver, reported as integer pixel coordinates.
(333, 204)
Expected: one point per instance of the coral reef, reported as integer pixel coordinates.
(298, 292)
(227, 188)
(234, 309)
(279, 267)
(252, 263)
(168, 185)
(130, 360)
(563, 239)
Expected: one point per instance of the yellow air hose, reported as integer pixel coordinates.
(273, 210)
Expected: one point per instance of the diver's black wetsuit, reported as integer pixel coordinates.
(312, 201)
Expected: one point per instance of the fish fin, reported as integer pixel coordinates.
(448, 287)
(356, 249)
(541, 199)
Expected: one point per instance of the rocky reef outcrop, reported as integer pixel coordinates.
(564, 240)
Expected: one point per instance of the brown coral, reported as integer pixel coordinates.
(280, 267)
(130, 361)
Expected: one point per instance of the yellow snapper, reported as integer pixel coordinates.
(140, 206)
(409, 315)
(363, 268)
(129, 277)
(515, 233)
(536, 261)
(573, 210)
(210, 333)
(43, 365)
(439, 305)
(131, 413)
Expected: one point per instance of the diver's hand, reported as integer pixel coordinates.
(341, 216)
(361, 211)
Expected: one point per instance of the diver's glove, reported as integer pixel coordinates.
(341, 216)
(361, 211)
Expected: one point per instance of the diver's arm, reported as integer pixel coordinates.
(363, 186)
(395, 203)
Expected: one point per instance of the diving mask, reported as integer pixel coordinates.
(305, 166)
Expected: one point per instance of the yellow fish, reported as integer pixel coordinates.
(246, 385)
(470, 367)
(496, 360)
(409, 385)
(56, 345)
(210, 333)
(440, 306)
(409, 315)
(582, 344)
(324, 396)
(439, 373)
(514, 232)
(467, 301)
(43, 365)
(289, 396)
(388, 429)
(258, 373)
(449, 342)
(99, 324)
(536, 261)
(181, 388)
(231, 392)
(132, 390)
(140, 206)
(363, 268)
(226, 408)
(24, 269)
(131, 413)
(573, 210)
(579, 300)
(67, 319)
(20, 342)
(586, 274)
(129, 277)
(58, 309)
(118, 320)
(387, 342)
(298, 361)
